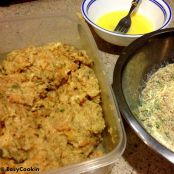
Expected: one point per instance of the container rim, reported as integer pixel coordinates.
(36, 17)
(118, 90)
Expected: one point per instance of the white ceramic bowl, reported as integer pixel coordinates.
(157, 11)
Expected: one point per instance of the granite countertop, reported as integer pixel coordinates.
(137, 158)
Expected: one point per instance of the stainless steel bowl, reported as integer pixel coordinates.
(133, 65)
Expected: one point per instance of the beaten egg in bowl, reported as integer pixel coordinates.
(140, 23)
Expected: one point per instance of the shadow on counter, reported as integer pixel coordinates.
(10, 2)
(105, 46)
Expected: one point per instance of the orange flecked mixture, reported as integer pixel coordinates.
(50, 108)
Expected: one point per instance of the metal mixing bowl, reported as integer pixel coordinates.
(136, 61)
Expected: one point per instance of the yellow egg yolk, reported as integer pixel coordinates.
(140, 24)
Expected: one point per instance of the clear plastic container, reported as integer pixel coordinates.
(22, 32)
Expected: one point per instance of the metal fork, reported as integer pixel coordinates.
(125, 23)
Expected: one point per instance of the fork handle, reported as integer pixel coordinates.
(133, 6)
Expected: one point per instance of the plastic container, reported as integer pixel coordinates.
(23, 32)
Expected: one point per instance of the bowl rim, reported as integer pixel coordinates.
(121, 100)
(167, 16)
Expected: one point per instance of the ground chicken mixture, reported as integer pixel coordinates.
(156, 111)
(50, 108)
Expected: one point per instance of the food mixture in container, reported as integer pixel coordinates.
(50, 108)
(156, 111)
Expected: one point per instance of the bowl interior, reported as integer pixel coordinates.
(156, 52)
(156, 11)
(141, 58)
